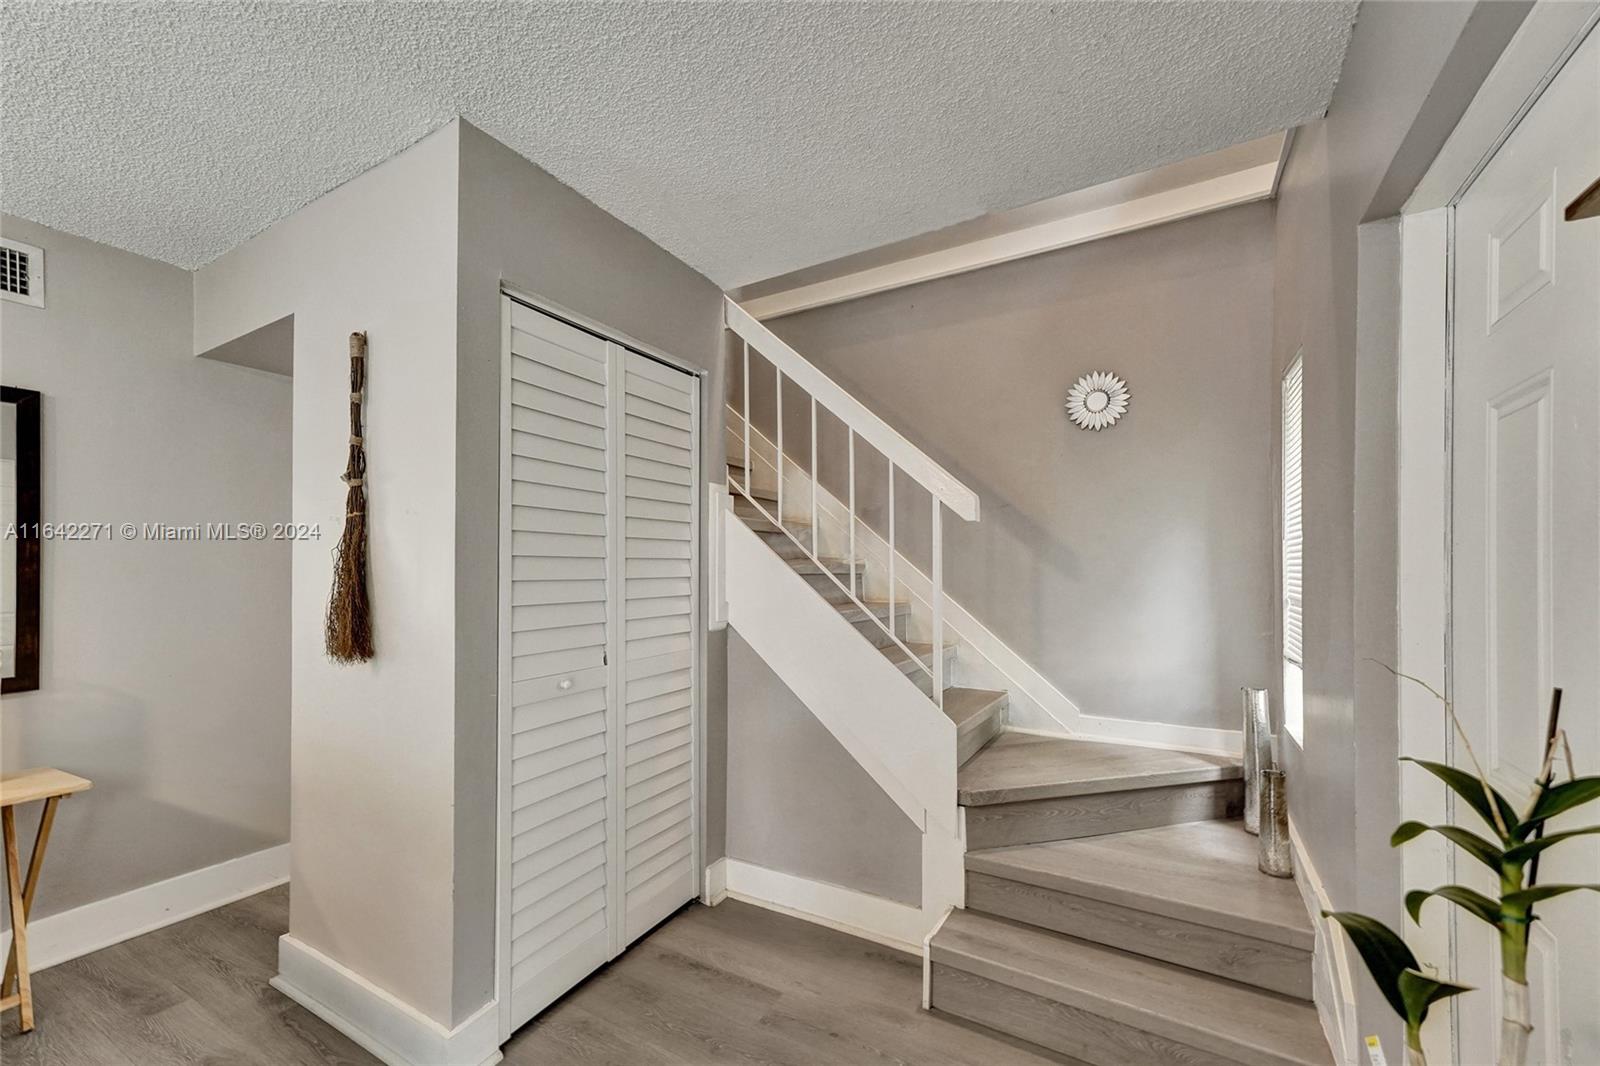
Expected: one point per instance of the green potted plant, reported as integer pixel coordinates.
(1519, 839)
(1398, 975)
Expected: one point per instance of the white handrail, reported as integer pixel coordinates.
(849, 410)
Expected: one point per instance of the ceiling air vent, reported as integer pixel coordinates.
(21, 272)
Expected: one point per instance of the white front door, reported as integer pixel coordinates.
(1526, 530)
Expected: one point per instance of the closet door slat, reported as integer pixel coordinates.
(599, 742)
(561, 727)
(657, 746)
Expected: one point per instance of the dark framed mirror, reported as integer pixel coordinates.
(20, 548)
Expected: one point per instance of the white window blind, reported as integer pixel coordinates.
(1293, 569)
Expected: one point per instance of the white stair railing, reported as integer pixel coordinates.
(901, 455)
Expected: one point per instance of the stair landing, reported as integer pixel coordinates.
(1021, 766)
(1026, 789)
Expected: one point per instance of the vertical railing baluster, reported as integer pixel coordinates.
(938, 606)
(779, 460)
(747, 473)
(891, 536)
(853, 517)
(815, 477)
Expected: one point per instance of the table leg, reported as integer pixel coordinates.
(31, 884)
(19, 918)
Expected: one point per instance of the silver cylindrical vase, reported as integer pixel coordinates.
(1257, 753)
(1275, 858)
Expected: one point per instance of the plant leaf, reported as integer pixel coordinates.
(1564, 797)
(1474, 902)
(1381, 948)
(1470, 789)
(1419, 992)
(1527, 897)
(1469, 842)
(1523, 852)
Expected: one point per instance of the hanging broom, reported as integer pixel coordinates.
(349, 623)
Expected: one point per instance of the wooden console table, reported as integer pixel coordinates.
(15, 789)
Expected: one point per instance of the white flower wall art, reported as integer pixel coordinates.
(1097, 400)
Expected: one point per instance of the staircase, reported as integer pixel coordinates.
(976, 713)
(1113, 912)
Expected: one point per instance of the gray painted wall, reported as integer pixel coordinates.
(522, 226)
(373, 745)
(394, 784)
(165, 673)
(799, 803)
(1411, 70)
(1132, 567)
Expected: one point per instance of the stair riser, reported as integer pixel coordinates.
(998, 825)
(921, 678)
(1246, 959)
(972, 741)
(1081, 1034)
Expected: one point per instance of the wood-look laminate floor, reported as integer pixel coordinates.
(731, 984)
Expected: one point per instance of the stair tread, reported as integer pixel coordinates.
(879, 610)
(763, 527)
(966, 707)
(803, 566)
(736, 477)
(1216, 1015)
(750, 516)
(1021, 766)
(896, 655)
(1200, 872)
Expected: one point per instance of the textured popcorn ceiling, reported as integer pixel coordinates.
(750, 139)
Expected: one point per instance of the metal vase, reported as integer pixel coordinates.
(1275, 858)
(1257, 753)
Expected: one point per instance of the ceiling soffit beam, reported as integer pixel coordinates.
(1228, 190)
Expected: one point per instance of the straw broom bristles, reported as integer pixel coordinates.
(349, 622)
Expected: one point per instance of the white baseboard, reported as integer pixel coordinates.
(1148, 735)
(716, 887)
(883, 921)
(927, 959)
(1332, 987)
(68, 934)
(394, 1031)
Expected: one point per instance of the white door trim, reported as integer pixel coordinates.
(1542, 45)
(1423, 564)
(527, 298)
(502, 877)
(1551, 33)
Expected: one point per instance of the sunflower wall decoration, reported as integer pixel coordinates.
(1097, 400)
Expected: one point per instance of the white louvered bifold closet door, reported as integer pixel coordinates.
(598, 731)
(560, 777)
(658, 872)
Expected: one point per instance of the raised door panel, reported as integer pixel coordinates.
(1525, 598)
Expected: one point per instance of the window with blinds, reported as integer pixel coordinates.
(1293, 544)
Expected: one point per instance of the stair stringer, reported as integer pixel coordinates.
(888, 726)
